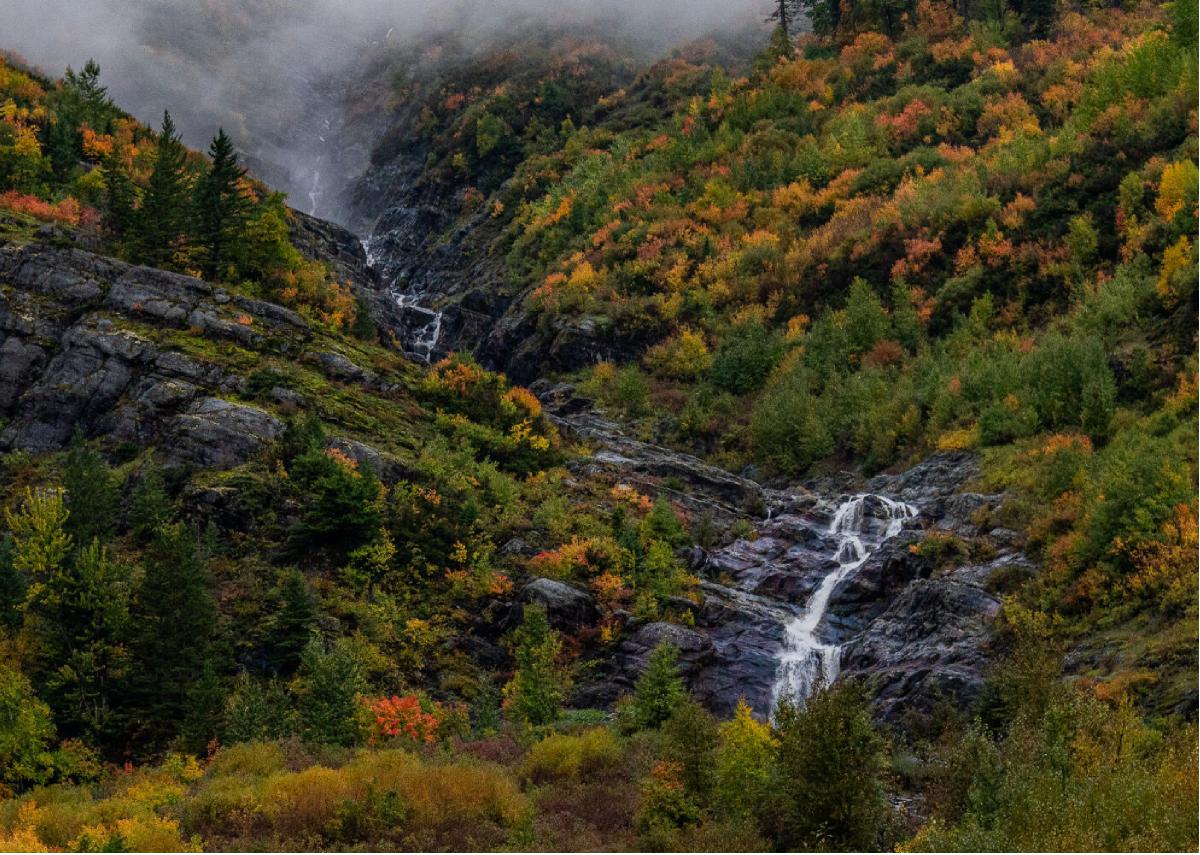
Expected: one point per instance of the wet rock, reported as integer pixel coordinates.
(930, 643)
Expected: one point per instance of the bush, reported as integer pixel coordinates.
(746, 357)
(580, 756)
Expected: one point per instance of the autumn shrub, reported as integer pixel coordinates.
(584, 755)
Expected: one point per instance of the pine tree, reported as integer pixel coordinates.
(163, 217)
(829, 772)
(538, 686)
(149, 505)
(82, 615)
(92, 494)
(660, 689)
(292, 626)
(120, 198)
(221, 208)
(330, 680)
(40, 540)
(175, 621)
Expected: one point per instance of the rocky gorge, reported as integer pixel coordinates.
(916, 628)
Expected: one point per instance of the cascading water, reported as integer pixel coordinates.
(805, 659)
(423, 337)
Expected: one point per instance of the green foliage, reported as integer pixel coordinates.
(40, 541)
(660, 690)
(538, 686)
(828, 789)
(92, 494)
(175, 622)
(163, 219)
(327, 687)
(221, 207)
(291, 626)
(255, 711)
(26, 731)
(343, 507)
(746, 357)
(149, 505)
(82, 613)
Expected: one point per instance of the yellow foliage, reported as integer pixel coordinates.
(1176, 189)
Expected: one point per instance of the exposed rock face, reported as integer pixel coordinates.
(213, 433)
(915, 634)
(567, 608)
(84, 343)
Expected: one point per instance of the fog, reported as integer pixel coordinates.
(269, 71)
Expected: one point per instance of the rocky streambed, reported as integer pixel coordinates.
(834, 580)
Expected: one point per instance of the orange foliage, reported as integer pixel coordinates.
(402, 716)
(67, 212)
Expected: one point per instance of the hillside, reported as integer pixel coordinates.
(866, 356)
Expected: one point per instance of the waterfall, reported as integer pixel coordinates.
(422, 338)
(805, 659)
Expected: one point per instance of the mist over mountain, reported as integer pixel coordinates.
(276, 73)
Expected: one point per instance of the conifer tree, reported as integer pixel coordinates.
(82, 615)
(330, 681)
(221, 207)
(536, 691)
(92, 494)
(829, 780)
(660, 689)
(163, 217)
(149, 505)
(120, 198)
(176, 621)
(292, 625)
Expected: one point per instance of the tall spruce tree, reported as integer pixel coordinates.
(176, 622)
(660, 689)
(538, 686)
(120, 198)
(221, 207)
(92, 494)
(164, 216)
(82, 615)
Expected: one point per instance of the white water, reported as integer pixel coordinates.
(425, 337)
(805, 659)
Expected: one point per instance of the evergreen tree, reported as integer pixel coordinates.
(660, 689)
(26, 731)
(330, 680)
(538, 686)
(829, 781)
(205, 718)
(82, 616)
(255, 711)
(222, 209)
(163, 217)
(690, 740)
(92, 494)
(12, 588)
(785, 14)
(120, 198)
(292, 625)
(149, 505)
(40, 540)
(175, 621)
